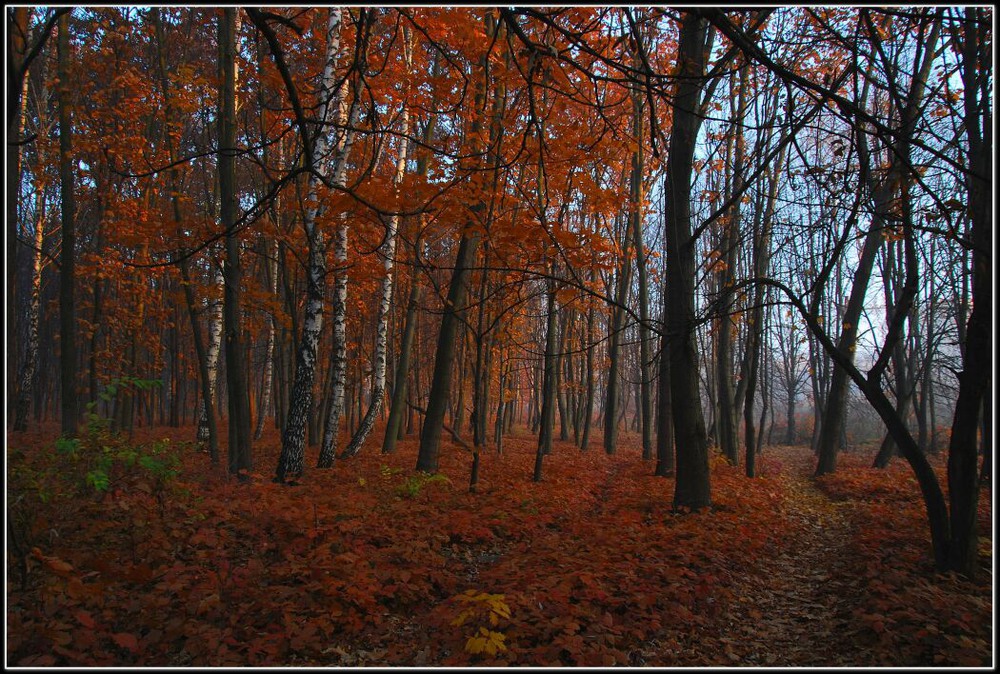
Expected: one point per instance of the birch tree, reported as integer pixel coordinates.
(388, 253)
(292, 458)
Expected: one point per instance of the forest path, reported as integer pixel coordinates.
(794, 608)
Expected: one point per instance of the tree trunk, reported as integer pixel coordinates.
(614, 347)
(29, 366)
(549, 380)
(339, 317)
(240, 441)
(206, 373)
(560, 394)
(437, 402)
(382, 322)
(977, 365)
(883, 195)
(588, 404)
(761, 259)
(67, 261)
(212, 359)
(728, 402)
(17, 33)
(272, 326)
(440, 391)
(692, 488)
(665, 464)
(399, 391)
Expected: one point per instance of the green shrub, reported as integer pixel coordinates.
(416, 482)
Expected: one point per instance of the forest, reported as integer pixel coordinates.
(483, 336)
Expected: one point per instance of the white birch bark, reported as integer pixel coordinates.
(291, 461)
(212, 357)
(388, 253)
(25, 384)
(29, 367)
(265, 391)
(339, 307)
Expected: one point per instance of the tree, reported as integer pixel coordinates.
(549, 361)
(438, 396)
(23, 48)
(322, 155)
(209, 401)
(883, 194)
(728, 247)
(207, 358)
(616, 330)
(67, 257)
(693, 487)
(240, 439)
(397, 407)
(977, 365)
(952, 530)
(388, 253)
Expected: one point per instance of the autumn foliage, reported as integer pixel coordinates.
(915, 615)
(249, 247)
(371, 564)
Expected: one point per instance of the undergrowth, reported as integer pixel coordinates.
(365, 564)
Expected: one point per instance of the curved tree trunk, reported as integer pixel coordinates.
(883, 195)
(206, 374)
(388, 252)
(291, 462)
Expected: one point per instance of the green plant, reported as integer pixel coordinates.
(389, 472)
(97, 424)
(104, 456)
(416, 482)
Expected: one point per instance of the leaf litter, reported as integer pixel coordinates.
(363, 566)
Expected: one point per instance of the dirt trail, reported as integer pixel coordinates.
(795, 607)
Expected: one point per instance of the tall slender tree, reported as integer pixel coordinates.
(237, 392)
(693, 488)
(67, 257)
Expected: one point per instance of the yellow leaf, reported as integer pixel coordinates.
(475, 645)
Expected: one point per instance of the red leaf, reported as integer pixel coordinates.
(85, 619)
(126, 641)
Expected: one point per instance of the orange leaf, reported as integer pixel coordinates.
(58, 565)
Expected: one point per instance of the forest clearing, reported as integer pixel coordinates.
(597, 336)
(366, 564)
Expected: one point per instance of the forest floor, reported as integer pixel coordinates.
(796, 607)
(138, 552)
